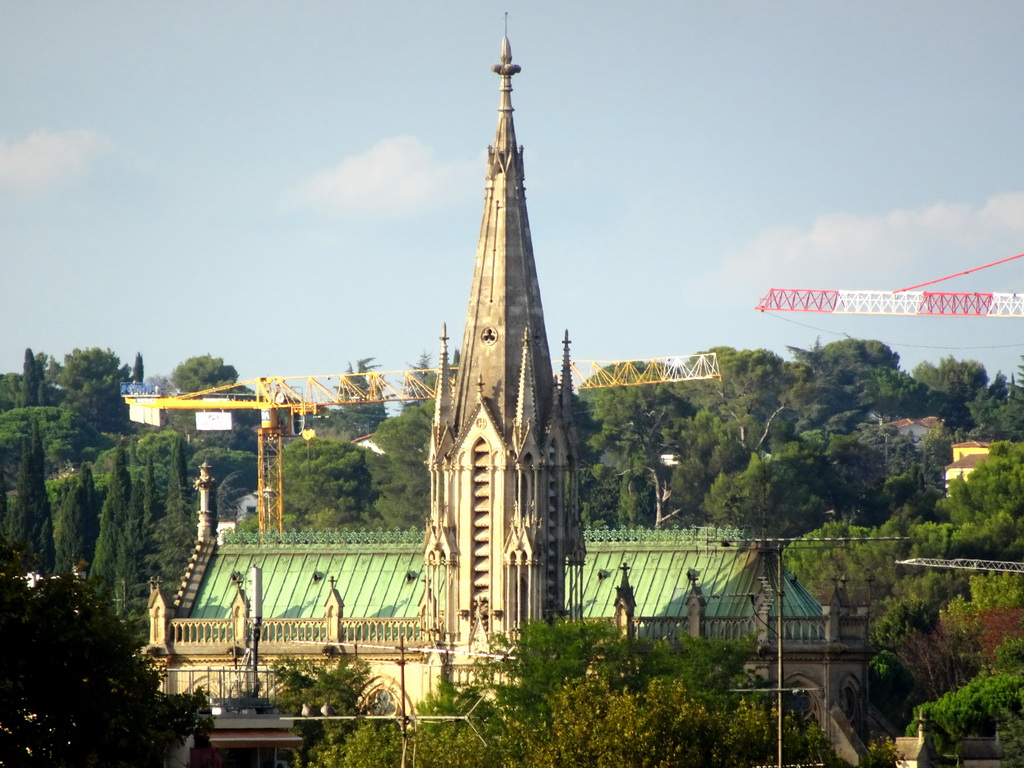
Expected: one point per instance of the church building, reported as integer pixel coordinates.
(503, 541)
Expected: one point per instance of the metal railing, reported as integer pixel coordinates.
(233, 689)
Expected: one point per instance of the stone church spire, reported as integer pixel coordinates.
(504, 302)
(503, 542)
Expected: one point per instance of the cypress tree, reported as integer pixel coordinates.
(112, 520)
(138, 372)
(150, 512)
(76, 523)
(31, 381)
(175, 532)
(4, 522)
(90, 500)
(68, 538)
(129, 553)
(32, 521)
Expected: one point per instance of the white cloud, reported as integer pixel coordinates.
(888, 251)
(396, 176)
(48, 160)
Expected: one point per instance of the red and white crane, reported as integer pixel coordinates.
(905, 301)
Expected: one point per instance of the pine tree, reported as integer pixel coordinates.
(32, 521)
(112, 520)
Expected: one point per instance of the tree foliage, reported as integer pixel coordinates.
(400, 476)
(327, 484)
(579, 693)
(339, 684)
(90, 382)
(74, 691)
(30, 518)
(202, 372)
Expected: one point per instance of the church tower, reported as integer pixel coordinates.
(503, 543)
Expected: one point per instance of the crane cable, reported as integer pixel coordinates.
(960, 274)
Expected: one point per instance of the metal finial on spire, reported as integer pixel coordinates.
(506, 68)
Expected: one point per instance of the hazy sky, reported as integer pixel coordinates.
(296, 185)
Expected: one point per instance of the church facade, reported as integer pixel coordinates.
(503, 542)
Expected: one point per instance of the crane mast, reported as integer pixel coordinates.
(284, 403)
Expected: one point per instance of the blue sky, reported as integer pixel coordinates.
(294, 186)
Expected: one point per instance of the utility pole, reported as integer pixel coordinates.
(404, 721)
(256, 618)
(779, 631)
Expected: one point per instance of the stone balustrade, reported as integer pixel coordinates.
(185, 632)
(382, 631)
(293, 631)
(281, 635)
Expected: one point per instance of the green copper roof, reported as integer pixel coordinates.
(373, 581)
(726, 575)
(379, 574)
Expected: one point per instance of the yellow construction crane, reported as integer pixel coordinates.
(285, 402)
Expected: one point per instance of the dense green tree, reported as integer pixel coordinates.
(892, 687)
(400, 476)
(781, 494)
(705, 449)
(174, 531)
(990, 411)
(988, 510)
(170, 453)
(546, 656)
(138, 369)
(74, 690)
(578, 693)
(847, 383)
(856, 479)
(10, 391)
(76, 523)
(233, 469)
(202, 372)
(893, 394)
(668, 724)
(131, 550)
(975, 709)
(636, 437)
(327, 484)
(5, 522)
(757, 390)
(31, 521)
(107, 567)
(953, 384)
(32, 392)
(341, 684)
(90, 380)
(68, 439)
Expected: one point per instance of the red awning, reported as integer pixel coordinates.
(240, 738)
